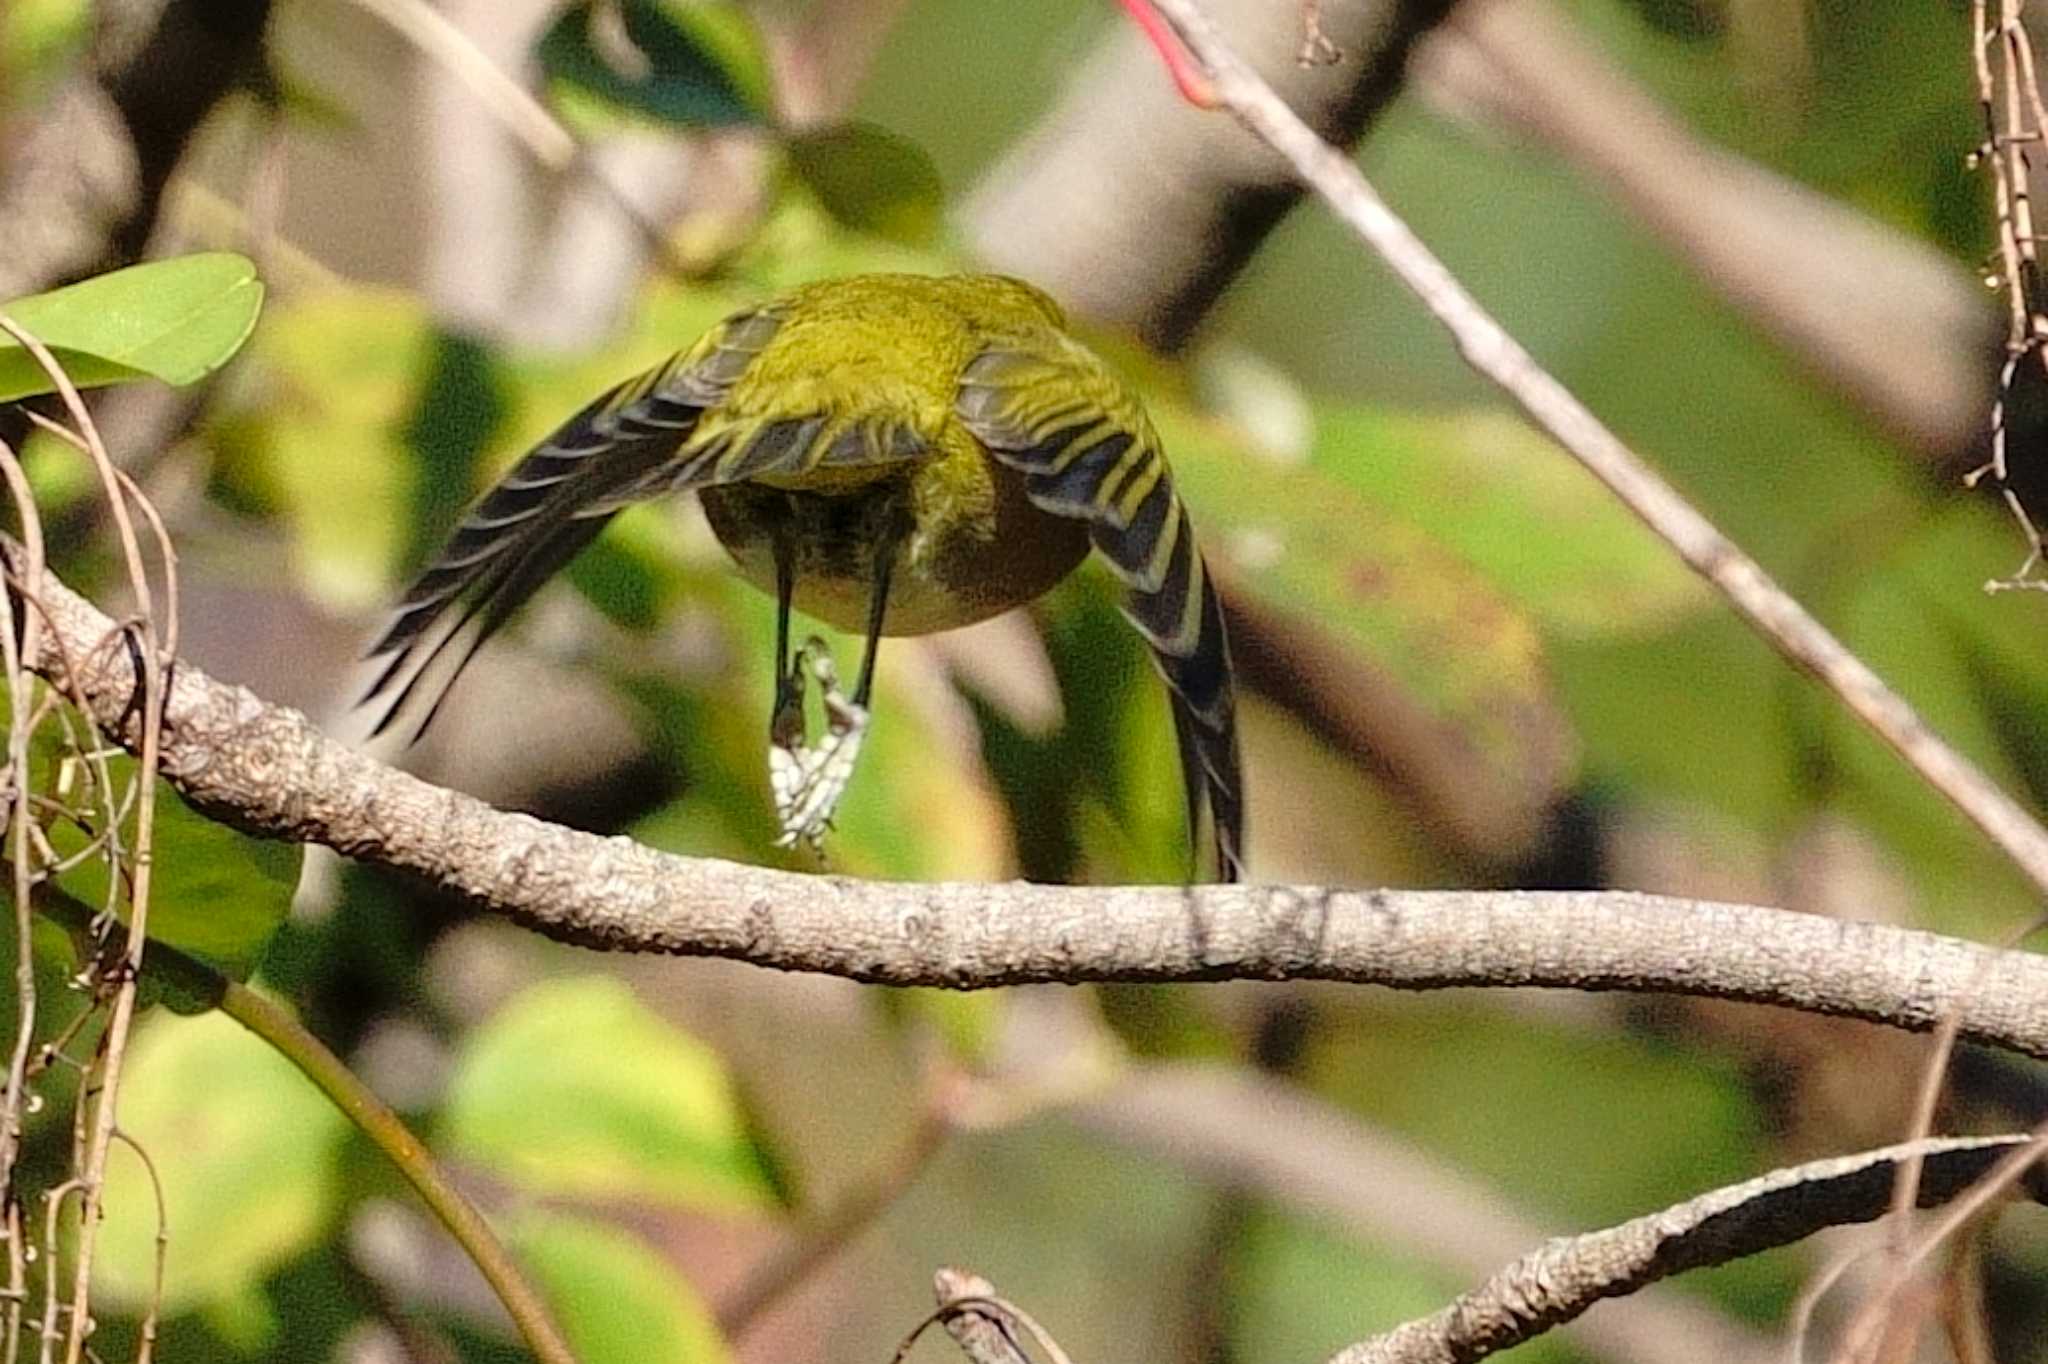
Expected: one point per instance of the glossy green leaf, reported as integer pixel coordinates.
(246, 1153)
(692, 65)
(575, 1087)
(871, 180)
(618, 1301)
(176, 320)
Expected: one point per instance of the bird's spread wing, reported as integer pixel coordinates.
(648, 436)
(1087, 451)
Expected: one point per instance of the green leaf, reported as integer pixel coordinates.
(871, 180)
(577, 1088)
(215, 892)
(1375, 598)
(246, 1153)
(1490, 487)
(618, 1301)
(685, 64)
(176, 320)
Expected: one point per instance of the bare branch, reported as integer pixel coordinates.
(1292, 1149)
(1488, 347)
(1560, 1280)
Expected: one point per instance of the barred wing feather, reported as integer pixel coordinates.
(1054, 412)
(658, 432)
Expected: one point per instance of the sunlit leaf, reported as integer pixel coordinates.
(177, 320)
(575, 1087)
(1490, 487)
(616, 1299)
(871, 180)
(245, 1151)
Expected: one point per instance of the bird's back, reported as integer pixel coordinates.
(882, 346)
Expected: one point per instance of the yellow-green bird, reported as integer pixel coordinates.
(894, 454)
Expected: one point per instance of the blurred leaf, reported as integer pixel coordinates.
(342, 372)
(177, 320)
(968, 1022)
(1240, 386)
(246, 1153)
(1490, 487)
(1911, 606)
(461, 406)
(618, 1301)
(577, 1088)
(1387, 602)
(309, 105)
(36, 37)
(1697, 712)
(871, 180)
(696, 65)
(1653, 1124)
(1300, 1290)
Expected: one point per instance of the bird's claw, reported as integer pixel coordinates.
(807, 779)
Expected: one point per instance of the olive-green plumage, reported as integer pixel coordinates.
(894, 454)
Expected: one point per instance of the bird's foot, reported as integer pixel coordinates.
(809, 779)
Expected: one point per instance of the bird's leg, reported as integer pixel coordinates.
(792, 767)
(819, 775)
(786, 721)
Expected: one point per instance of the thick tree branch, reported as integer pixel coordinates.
(266, 769)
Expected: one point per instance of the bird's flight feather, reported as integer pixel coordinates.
(1088, 451)
(646, 437)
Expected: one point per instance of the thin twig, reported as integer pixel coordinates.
(146, 1347)
(114, 1042)
(1565, 1277)
(1488, 347)
(22, 637)
(388, 1132)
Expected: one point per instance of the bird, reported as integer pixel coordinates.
(892, 454)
